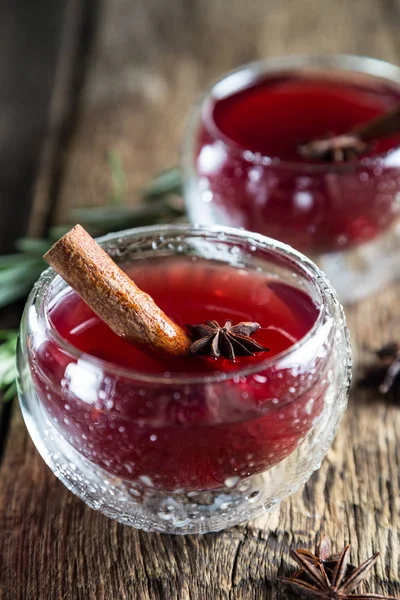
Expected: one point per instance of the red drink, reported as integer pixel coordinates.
(249, 173)
(162, 423)
(195, 445)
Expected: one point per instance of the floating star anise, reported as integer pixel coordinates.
(330, 577)
(385, 374)
(227, 341)
(351, 144)
(338, 149)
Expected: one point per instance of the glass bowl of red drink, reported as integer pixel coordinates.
(242, 166)
(193, 444)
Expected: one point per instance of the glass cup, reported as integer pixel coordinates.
(343, 216)
(110, 435)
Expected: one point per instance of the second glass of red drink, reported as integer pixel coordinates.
(243, 167)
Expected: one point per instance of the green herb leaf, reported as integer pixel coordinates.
(161, 203)
(165, 183)
(8, 366)
(37, 246)
(17, 277)
(118, 178)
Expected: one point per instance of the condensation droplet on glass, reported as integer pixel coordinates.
(308, 407)
(230, 482)
(207, 196)
(254, 496)
(146, 480)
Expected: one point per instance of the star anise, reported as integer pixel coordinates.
(330, 577)
(385, 374)
(347, 146)
(227, 341)
(340, 148)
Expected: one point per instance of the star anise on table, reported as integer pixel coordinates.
(385, 373)
(228, 341)
(337, 149)
(330, 577)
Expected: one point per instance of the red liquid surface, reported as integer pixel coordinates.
(172, 434)
(314, 210)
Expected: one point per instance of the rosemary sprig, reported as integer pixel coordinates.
(164, 184)
(8, 367)
(118, 177)
(160, 202)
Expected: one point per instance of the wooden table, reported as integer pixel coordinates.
(148, 64)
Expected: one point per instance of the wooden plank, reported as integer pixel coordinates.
(156, 57)
(79, 28)
(33, 109)
(9, 318)
(57, 544)
(29, 42)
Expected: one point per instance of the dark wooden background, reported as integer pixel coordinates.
(127, 73)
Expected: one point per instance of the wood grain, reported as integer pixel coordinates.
(151, 61)
(29, 44)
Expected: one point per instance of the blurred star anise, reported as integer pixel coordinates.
(329, 577)
(228, 341)
(348, 146)
(338, 149)
(385, 373)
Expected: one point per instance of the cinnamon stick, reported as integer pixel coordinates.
(380, 127)
(113, 296)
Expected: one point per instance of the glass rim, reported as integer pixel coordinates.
(240, 77)
(40, 297)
